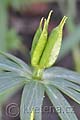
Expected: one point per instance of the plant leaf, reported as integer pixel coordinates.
(4, 60)
(8, 68)
(7, 75)
(62, 83)
(10, 84)
(58, 72)
(61, 103)
(16, 60)
(68, 88)
(11, 63)
(75, 95)
(32, 99)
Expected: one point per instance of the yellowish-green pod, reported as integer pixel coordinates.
(39, 47)
(37, 52)
(36, 36)
(53, 46)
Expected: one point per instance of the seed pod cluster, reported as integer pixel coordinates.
(45, 50)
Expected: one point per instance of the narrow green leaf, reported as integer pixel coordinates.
(4, 60)
(5, 75)
(60, 103)
(68, 88)
(8, 68)
(17, 61)
(58, 72)
(62, 83)
(7, 63)
(21, 73)
(8, 85)
(32, 99)
(11, 74)
(72, 93)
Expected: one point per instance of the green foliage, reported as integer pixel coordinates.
(14, 73)
(54, 95)
(55, 81)
(65, 80)
(31, 100)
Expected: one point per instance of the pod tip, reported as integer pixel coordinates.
(49, 16)
(63, 21)
(41, 21)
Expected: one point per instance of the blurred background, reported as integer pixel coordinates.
(19, 20)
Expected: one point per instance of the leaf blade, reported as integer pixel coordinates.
(70, 89)
(17, 61)
(62, 83)
(33, 98)
(58, 100)
(58, 72)
(9, 85)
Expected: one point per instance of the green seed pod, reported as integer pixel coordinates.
(53, 46)
(37, 52)
(36, 36)
(39, 47)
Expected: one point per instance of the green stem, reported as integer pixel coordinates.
(37, 73)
